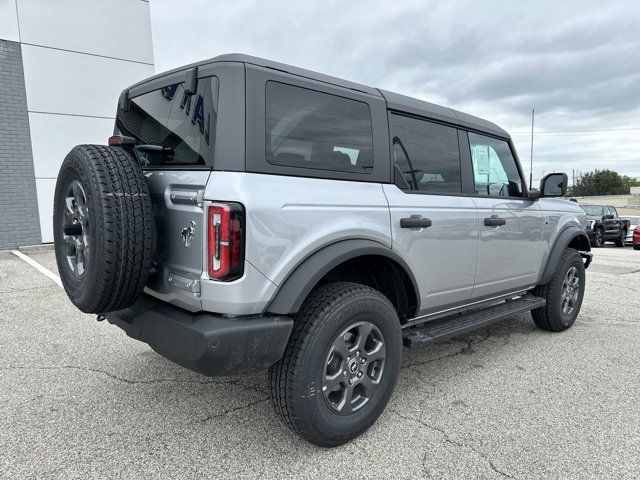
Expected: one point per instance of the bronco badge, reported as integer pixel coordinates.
(188, 233)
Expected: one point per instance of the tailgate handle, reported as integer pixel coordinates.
(186, 197)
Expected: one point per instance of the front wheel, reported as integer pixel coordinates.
(563, 294)
(340, 366)
(598, 235)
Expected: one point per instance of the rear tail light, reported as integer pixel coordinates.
(226, 241)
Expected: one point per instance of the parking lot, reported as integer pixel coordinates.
(79, 399)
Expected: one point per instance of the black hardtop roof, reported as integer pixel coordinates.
(395, 101)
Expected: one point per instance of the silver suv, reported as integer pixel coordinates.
(251, 215)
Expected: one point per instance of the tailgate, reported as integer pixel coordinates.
(176, 196)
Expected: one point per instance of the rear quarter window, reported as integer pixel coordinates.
(310, 129)
(171, 118)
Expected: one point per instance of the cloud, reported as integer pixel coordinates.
(577, 63)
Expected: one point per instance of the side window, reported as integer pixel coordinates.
(613, 211)
(426, 155)
(310, 129)
(494, 169)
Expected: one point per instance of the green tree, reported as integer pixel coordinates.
(630, 182)
(602, 182)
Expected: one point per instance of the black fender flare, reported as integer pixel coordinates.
(565, 237)
(308, 273)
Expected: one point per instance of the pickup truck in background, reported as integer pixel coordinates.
(604, 224)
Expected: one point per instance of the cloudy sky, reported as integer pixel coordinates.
(576, 63)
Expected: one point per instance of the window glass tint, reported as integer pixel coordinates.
(426, 155)
(310, 129)
(495, 170)
(170, 118)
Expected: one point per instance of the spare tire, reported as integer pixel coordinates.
(102, 228)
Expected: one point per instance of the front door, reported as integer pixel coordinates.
(434, 227)
(511, 243)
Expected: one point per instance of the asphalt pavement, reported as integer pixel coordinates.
(79, 399)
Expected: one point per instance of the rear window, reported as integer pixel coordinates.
(310, 129)
(171, 118)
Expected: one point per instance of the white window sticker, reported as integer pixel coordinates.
(481, 156)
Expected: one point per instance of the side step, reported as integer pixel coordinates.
(461, 323)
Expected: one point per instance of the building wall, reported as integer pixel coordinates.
(18, 206)
(77, 57)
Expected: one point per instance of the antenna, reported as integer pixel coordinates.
(533, 111)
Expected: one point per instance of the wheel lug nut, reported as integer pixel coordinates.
(357, 353)
(344, 373)
(359, 374)
(363, 360)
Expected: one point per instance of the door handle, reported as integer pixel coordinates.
(494, 221)
(415, 221)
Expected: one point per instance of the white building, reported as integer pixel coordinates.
(63, 65)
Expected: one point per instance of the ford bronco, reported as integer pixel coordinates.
(248, 215)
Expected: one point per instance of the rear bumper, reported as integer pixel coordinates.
(203, 342)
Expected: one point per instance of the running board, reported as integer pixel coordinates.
(458, 324)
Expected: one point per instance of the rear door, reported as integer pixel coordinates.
(613, 224)
(434, 226)
(511, 243)
(184, 124)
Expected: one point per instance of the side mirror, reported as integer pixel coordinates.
(554, 185)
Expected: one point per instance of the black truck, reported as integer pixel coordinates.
(604, 224)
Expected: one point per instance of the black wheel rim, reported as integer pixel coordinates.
(354, 367)
(75, 228)
(570, 291)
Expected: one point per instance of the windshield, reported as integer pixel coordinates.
(592, 209)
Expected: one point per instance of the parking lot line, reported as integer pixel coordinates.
(38, 267)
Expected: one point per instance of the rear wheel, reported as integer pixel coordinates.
(621, 240)
(563, 294)
(340, 366)
(636, 247)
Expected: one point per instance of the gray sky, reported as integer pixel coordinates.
(577, 63)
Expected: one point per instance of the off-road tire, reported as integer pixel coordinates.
(551, 317)
(621, 240)
(296, 381)
(119, 228)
